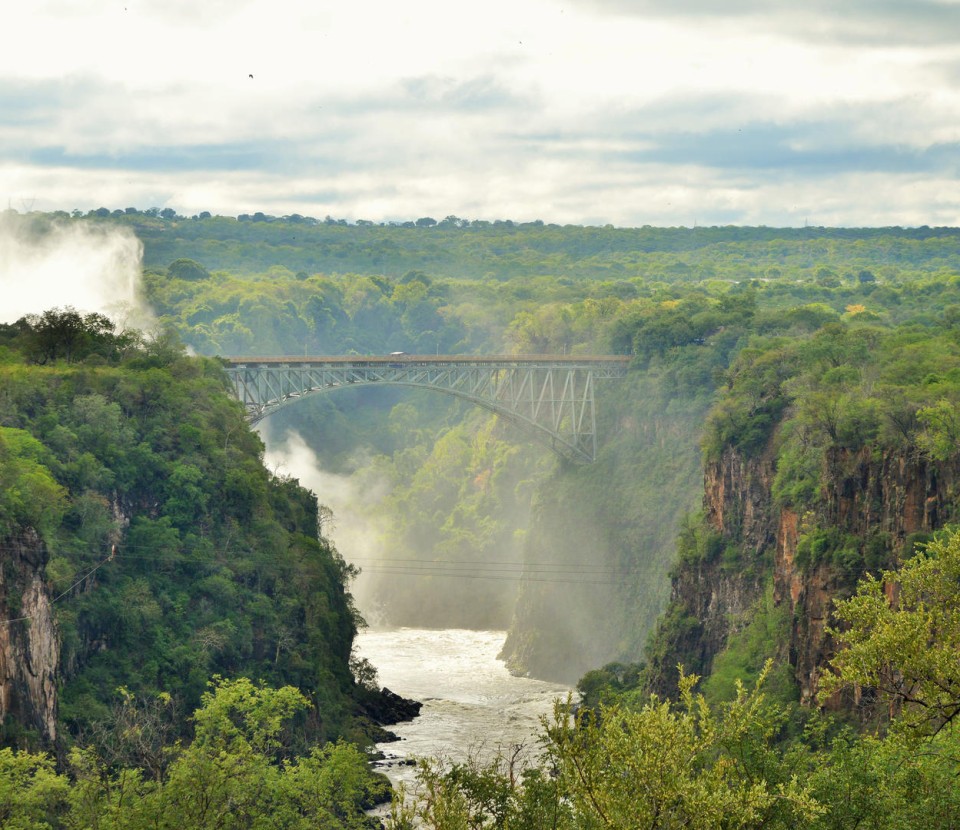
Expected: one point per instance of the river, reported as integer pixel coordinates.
(472, 706)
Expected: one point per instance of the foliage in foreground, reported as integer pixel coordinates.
(659, 764)
(662, 764)
(668, 766)
(236, 773)
(908, 647)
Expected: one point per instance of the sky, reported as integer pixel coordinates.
(623, 112)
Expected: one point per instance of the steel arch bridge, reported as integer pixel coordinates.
(549, 396)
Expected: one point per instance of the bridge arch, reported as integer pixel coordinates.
(550, 397)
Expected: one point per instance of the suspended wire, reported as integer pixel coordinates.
(508, 571)
(516, 576)
(537, 567)
(108, 558)
(492, 570)
(368, 563)
(525, 570)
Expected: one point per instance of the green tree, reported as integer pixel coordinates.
(887, 783)
(237, 774)
(29, 494)
(670, 765)
(69, 335)
(187, 269)
(940, 436)
(900, 635)
(31, 792)
(226, 777)
(331, 787)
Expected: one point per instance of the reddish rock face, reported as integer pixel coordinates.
(863, 494)
(738, 502)
(715, 599)
(29, 648)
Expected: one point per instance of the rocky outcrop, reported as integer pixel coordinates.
(896, 493)
(29, 640)
(737, 500)
(387, 707)
(713, 597)
(378, 709)
(878, 501)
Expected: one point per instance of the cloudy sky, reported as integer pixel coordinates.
(630, 112)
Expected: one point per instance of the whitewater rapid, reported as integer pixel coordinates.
(472, 706)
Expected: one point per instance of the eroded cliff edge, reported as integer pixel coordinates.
(871, 508)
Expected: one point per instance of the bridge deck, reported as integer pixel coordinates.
(433, 360)
(550, 395)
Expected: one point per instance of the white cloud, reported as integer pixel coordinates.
(506, 109)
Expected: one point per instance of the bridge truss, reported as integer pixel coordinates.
(551, 397)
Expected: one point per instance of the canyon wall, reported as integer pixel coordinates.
(29, 640)
(871, 509)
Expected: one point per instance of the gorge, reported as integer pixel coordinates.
(778, 437)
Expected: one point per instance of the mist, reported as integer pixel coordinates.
(91, 267)
(352, 500)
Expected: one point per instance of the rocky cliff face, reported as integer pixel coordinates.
(878, 501)
(713, 597)
(29, 644)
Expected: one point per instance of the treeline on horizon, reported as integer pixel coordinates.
(451, 221)
(503, 249)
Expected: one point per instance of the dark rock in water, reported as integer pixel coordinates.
(386, 707)
(401, 708)
(379, 735)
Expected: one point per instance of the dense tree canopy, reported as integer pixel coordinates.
(235, 773)
(813, 345)
(139, 449)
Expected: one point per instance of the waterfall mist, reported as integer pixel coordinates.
(91, 267)
(351, 500)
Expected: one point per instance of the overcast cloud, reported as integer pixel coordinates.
(627, 112)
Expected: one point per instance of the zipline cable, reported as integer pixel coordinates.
(497, 570)
(108, 558)
(515, 577)
(371, 563)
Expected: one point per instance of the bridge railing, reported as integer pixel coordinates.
(432, 360)
(553, 395)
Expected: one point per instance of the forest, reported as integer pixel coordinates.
(807, 355)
